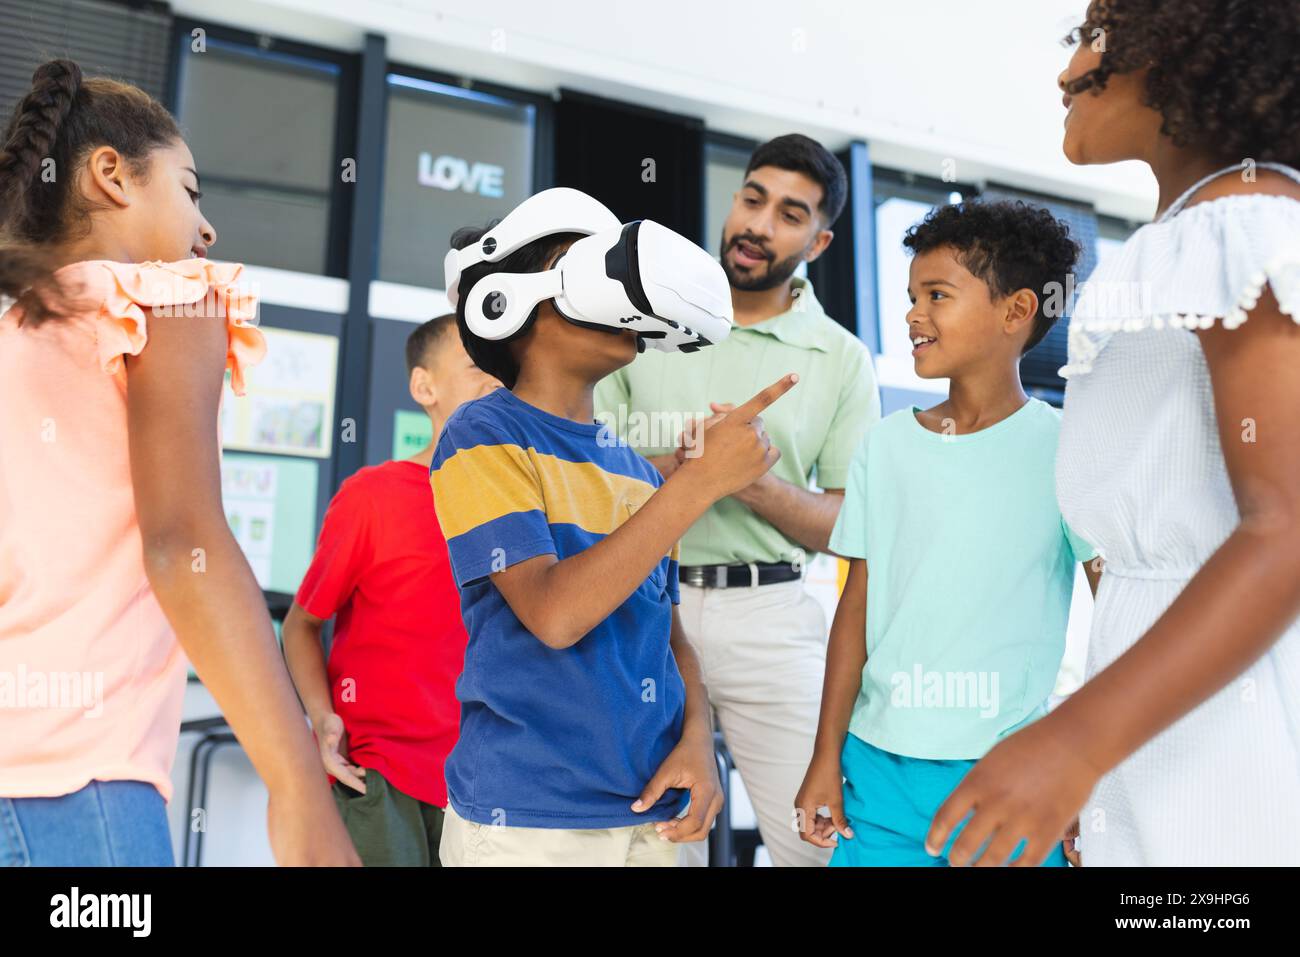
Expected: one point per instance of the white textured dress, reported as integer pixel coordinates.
(1140, 474)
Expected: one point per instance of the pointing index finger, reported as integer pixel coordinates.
(758, 403)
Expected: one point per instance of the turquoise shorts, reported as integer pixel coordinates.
(890, 801)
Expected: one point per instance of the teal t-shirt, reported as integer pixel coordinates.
(970, 569)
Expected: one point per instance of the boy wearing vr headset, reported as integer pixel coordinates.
(382, 703)
(584, 725)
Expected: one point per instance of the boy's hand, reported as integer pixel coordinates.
(332, 738)
(689, 443)
(738, 449)
(823, 786)
(1067, 846)
(690, 765)
(693, 434)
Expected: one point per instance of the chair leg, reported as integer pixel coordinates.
(196, 763)
(721, 839)
(211, 743)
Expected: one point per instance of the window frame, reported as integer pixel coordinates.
(346, 67)
(543, 171)
(1116, 228)
(477, 96)
(892, 183)
(729, 145)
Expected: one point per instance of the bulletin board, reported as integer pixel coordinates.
(270, 503)
(289, 405)
(412, 432)
(396, 427)
(303, 344)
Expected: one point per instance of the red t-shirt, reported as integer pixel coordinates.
(399, 642)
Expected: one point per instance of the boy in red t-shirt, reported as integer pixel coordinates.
(384, 706)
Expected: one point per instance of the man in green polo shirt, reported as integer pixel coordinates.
(760, 637)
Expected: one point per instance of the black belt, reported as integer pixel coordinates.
(738, 576)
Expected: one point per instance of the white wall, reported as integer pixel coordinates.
(922, 81)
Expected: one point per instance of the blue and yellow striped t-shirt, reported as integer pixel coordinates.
(552, 738)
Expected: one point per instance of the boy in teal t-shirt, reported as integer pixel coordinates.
(961, 567)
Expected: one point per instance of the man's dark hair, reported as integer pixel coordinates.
(1008, 246)
(1224, 77)
(494, 356)
(803, 154)
(425, 337)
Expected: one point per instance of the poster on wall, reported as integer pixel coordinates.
(270, 504)
(412, 431)
(289, 405)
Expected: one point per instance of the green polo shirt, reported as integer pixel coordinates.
(817, 425)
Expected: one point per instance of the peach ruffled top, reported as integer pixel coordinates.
(91, 675)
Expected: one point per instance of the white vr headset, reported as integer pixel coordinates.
(639, 276)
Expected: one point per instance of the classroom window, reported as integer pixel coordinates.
(454, 158)
(262, 126)
(724, 171)
(901, 202)
(1039, 369)
(1111, 236)
(725, 159)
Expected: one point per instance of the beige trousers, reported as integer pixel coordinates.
(467, 844)
(763, 654)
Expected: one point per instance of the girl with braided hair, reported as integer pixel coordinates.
(114, 549)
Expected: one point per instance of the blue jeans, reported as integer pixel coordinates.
(105, 824)
(890, 801)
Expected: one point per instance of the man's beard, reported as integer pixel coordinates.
(776, 274)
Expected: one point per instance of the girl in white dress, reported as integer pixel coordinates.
(1179, 459)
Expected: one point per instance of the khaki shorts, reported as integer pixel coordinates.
(466, 844)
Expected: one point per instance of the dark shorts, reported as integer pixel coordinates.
(388, 827)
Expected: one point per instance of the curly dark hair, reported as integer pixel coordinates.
(1224, 74)
(1007, 245)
